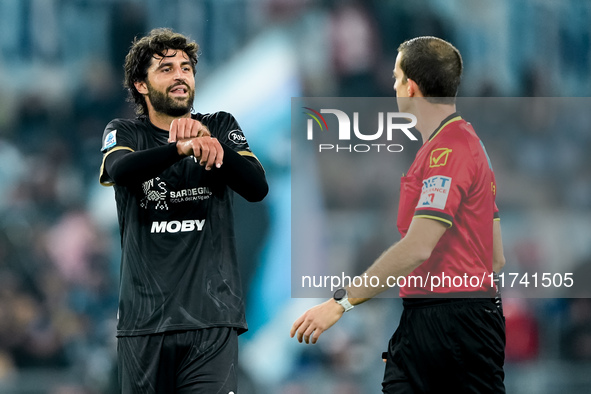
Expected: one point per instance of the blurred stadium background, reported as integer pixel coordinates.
(60, 84)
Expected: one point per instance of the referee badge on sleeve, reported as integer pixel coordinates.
(439, 157)
(435, 191)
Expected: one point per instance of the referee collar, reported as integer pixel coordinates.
(451, 118)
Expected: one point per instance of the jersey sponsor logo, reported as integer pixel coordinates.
(175, 226)
(193, 194)
(435, 192)
(237, 137)
(158, 197)
(439, 157)
(154, 194)
(110, 140)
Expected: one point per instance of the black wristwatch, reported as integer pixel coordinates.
(341, 298)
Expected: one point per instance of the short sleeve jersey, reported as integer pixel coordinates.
(179, 265)
(451, 180)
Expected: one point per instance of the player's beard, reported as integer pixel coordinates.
(163, 103)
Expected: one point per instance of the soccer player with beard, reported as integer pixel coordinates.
(174, 172)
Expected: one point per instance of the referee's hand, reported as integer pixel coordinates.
(316, 320)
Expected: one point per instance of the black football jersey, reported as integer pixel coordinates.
(179, 265)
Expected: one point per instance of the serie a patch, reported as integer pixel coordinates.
(434, 192)
(110, 140)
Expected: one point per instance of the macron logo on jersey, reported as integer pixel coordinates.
(175, 226)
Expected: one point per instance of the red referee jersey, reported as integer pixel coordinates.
(451, 180)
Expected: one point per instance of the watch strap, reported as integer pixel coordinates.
(345, 304)
(343, 300)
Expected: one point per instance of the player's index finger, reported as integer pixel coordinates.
(193, 129)
(172, 133)
(205, 152)
(220, 154)
(210, 157)
(196, 148)
(182, 130)
(198, 129)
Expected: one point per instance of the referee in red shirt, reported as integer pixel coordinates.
(451, 336)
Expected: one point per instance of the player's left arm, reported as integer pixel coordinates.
(398, 260)
(241, 170)
(244, 174)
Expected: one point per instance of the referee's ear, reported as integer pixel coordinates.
(412, 89)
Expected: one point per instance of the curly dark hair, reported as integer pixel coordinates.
(435, 65)
(142, 50)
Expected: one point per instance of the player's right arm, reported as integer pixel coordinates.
(123, 165)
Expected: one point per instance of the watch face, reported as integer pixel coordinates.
(340, 294)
